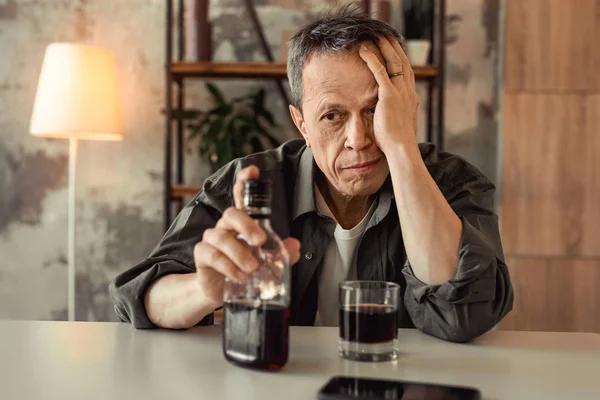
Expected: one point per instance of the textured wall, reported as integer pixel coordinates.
(119, 184)
(472, 83)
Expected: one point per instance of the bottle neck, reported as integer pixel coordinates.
(261, 214)
(264, 222)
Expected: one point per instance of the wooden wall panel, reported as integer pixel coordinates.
(591, 211)
(544, 184)
(552, 45)
(554, 295)
(550, 206)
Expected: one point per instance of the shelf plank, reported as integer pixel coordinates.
(229, 70)
(181, 191)
(423, 72)
(258, 70)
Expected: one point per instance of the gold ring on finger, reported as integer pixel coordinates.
(396, 74)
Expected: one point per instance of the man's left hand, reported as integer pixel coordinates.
(395, 119)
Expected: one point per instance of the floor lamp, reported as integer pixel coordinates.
(76, 99)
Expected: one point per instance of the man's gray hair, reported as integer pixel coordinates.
(338, 32)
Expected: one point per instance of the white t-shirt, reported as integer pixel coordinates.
(339, 263)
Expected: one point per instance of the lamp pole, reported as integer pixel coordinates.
(71, 231)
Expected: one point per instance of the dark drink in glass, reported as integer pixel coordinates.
(369, 320)
(368, 323)
(256, 336)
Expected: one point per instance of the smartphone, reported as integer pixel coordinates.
(354, 388)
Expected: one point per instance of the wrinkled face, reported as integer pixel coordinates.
(338, 102)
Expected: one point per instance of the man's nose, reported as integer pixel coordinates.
(359, 133)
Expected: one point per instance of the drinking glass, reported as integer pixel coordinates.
(369, 320)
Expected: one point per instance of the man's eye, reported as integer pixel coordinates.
(372, 110)
(329, 116)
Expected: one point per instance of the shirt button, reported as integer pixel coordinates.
(308, 256)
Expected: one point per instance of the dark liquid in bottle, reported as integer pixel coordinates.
(256, 337)
(368, 323)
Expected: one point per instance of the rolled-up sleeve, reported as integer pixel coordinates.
(173, 255)
(127, 290)
(480, 294)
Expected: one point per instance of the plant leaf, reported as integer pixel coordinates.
(203, 148)
(242, 98)
(264, 133)
(260, 97)
(234, 128)
(266, 114)
(196, 129)
(223, 109)
(246, 118)
(216, 94)
(223, 151)
(256, 144)
(212, 134)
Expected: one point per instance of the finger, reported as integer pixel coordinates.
(396, 45)
(231, 247)
(237, 220)
(408, 71)
(293, 247)
(207, 256)
(393, 61)
(251, 172)
(377, 68)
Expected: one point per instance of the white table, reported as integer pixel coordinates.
(61, 360)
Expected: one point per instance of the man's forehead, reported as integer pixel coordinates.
(324, 61)
(334, 73)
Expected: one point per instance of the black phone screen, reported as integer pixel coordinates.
(340, 388)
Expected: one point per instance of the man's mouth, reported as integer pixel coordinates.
(364, 166)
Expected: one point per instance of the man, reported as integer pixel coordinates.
(358, 198)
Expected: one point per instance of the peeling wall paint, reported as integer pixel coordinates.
(119, 184)
(472, 84)
(8, 9)
(25, 179)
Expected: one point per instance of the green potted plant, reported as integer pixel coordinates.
(230, 129)
(418, 21)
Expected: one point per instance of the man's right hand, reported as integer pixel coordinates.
(221, 253)
(180, 301)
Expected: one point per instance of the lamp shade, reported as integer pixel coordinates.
(77, 94)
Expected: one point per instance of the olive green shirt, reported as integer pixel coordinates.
(466, 306)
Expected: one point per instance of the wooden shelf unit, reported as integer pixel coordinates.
(180, 191)
(241, 70)
(258, 70)
(177, 72)
(247, 70)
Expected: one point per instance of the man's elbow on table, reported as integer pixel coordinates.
(487, 317)
(125, 309)
(463, 308)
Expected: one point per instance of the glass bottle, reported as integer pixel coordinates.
(256, 311)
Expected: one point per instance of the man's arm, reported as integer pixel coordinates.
(160, 291)
(480, 294)
(182, 283)
(431, 230)
(458, 286)
(176, 301)
(173, 300)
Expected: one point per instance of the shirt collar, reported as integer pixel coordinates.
(304, 191)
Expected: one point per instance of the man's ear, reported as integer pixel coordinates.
(299, 122)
